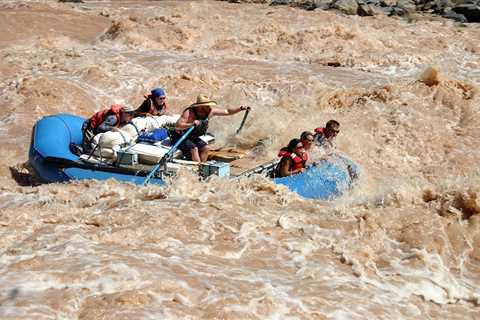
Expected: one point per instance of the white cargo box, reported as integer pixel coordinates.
(151, 154)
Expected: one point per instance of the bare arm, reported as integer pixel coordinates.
(183, 123)
(227, 112)
(297, 171)
(285, 167)
(285, 171)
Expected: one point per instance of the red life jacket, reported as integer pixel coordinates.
(100, 116)
(320, 136)
(298, 162)
(320, 131)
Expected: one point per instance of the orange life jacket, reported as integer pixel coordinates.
(297, 161)
(100, 116)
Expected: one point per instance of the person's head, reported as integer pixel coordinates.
(126, 114)
(159, 96)
(332, 128)
(203, 105)
(307, 139)
(295, 145)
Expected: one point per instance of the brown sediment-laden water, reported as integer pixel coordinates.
(403, 244)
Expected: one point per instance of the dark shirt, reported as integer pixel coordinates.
(149, 106)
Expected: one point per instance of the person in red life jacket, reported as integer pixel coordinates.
(307, 139)
(198, 114)
(293, 159)
(326, 135)
(155, 103)
(105, 120)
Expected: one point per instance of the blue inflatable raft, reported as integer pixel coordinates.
(52, 159)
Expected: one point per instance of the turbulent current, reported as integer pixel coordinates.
(404, 243)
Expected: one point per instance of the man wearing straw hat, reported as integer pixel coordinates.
(198, 115)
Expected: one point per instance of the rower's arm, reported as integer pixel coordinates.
(183, 122)
(227, 112)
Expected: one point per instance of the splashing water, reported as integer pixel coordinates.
(403, 244)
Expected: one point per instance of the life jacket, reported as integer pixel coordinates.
(100, 116)
(153, 107)
(298, 161)
(320, 137)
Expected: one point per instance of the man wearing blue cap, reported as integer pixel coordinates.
(154, 104)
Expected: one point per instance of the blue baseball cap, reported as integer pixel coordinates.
(158, 92)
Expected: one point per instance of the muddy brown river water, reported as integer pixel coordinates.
(403, 244)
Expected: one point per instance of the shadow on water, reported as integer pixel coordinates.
(22, 173)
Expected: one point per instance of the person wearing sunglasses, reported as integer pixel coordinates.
(307, 139)
(326, 135)
(155, 104)
(293, 159)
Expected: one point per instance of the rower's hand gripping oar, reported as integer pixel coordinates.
(168, 155)
(243, 120)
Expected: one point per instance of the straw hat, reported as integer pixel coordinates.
(203, 100)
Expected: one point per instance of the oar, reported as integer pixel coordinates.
(167, 155)
(243, 121)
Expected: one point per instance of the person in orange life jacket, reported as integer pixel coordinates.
(105, 120)
(326, 135)
(293, 159)
(155, 103)
(198, 114)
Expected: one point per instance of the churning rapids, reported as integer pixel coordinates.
(403, 244)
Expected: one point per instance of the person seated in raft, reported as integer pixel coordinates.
(293, 159)
(324, 136)
(155, 104)
(105, 120)
(307, 139)
(198, 115)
